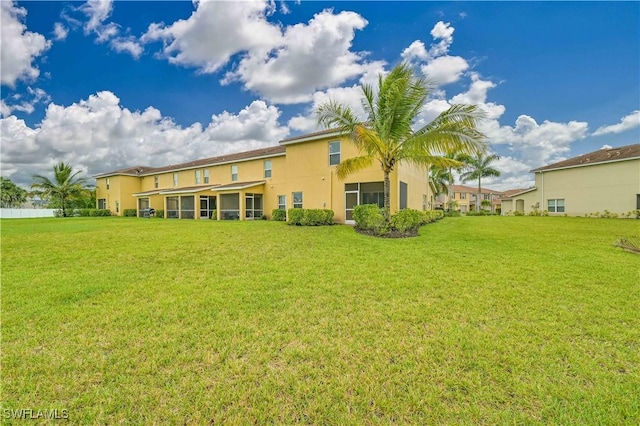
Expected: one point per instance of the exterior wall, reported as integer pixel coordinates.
(418, 186)
(118, 197)
(599, 187)
(308, 171)
(589, 189)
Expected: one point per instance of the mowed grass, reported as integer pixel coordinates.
(479, 320)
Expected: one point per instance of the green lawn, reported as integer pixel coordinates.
(479, 320)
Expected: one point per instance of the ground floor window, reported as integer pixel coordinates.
(117, 206)
(282, 202)
(297, 200)
(404, 190)
(253, 206)
(172, 208)
(555, 206)
(143, 207)
(102, 203)
(230, 206)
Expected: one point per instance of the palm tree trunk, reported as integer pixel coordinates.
(478, 201)
(387, 195)
(450, 192)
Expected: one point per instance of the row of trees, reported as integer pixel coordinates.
(66, 191)
(472, 168)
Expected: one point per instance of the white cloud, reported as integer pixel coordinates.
(605, 146)
(29, 100)
(416, 50)
(445, 69)
(97, 11)
(18, 47)
(98, 134)
(626, 123)
(214, 32)
(128, 45)
(60, 32)
(311, 56)
(284, 64)
(443, 32)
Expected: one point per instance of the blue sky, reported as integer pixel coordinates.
(105, 85)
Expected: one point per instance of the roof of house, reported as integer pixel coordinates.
(221, 159)
(509, 192)
(238, 185)
(474, 190)
(513, 193)
(596, 157)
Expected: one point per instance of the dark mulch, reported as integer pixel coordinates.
(391, 234)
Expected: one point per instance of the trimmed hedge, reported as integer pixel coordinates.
(160, 214)
(279, 215)
(369, 219)
(310, 217)
(91, 212)
(130, 213)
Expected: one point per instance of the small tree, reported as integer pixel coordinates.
(11, 194)
(66, 186)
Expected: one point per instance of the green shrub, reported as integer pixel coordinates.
(159, 214)
(479, 213)
(130, 212)
(407, 221)
(518, 213)
(295, 216)
(310, 217)
(452, 213)
(279, 215)
(370, 217)
(214, 215)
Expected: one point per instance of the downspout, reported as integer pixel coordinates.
(542, 191)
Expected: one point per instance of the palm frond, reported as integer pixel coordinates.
(352, 165)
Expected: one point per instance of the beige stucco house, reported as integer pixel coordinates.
(607, 179)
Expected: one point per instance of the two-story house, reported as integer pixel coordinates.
(299, 172)
(466, 198)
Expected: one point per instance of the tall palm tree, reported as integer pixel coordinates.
(479, 166)
(387, 135)
(65, 185)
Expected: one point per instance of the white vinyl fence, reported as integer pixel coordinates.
(25, 213)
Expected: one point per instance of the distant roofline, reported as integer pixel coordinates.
(311, 136)
(519, 193)
(238, 157)
(585, 160)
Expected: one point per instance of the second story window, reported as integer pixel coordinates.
(334, 153)
(197, 177)
(108, 183)
(155, 181)
(175, 179)
(267, 168)
(206, 175)
(234, 173)
(297, 200)
(463, 195)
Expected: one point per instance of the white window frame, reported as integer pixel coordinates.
(333, 154)
(175, 180)
(282, 202)
(197, 177)
(206, 175)
(294, 204)
(554, 207)
(155, 181)
(267, 168)
(234, 173)
(108, 183)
